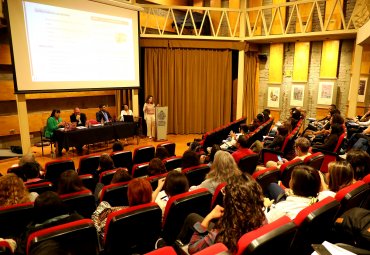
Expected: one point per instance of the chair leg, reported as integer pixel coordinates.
(42, 148)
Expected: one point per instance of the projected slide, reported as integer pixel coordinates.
(73, 45)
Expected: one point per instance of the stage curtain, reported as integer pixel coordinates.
(250, 98)
(195, 84)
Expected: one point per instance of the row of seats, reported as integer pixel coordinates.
(135, 229)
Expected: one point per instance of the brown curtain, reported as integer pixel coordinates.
(250, 98)
(195, 84)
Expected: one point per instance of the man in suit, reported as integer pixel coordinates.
(78, 117)
(103, 114)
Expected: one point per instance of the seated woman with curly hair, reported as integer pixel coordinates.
(13, 191)
(242, 212)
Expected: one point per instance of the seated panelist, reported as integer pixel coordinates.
(78, 117)
(103, 114)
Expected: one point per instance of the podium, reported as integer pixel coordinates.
(161, 115)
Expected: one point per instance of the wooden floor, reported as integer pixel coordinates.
(180, 140)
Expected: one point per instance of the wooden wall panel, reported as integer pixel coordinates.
(6, 90)
(276, 63)
(233, 17)
(301, 61)
(304, 10)
(253, 16)
(216, 15)
(149, 21)
(335, 20)
(329, 59)
(170, 2)
(276, 26)
(365, 63)
(70, 94)
(275, 114)
(5, 58)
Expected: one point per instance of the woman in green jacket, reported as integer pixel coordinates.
(53, 123)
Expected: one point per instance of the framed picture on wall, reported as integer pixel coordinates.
(325, 94)
(297, 95)
(362, 89)
(273, 97)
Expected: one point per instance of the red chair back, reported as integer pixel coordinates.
(167, 250)
(143, 154)
(196, 174)
(115, 194)
(169, 146)
(83, 202)
(215, 249)
(315, 160)
(352, 196)
(122, 159)
(154, 180)
(89, 181)
(218, 196)
(173, 162)
(88, 164)
(107, 176)
(77, 237)
(54, 169)
(286, 170)
(140, 169)
(180, 206)
(273, 238)
(40, 187)
(15, 218)
(266, 176)
(133, 230)
(249, 163)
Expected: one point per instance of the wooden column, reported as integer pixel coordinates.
(356, 70)
(241, 57)
(23, 123)
(135, 102)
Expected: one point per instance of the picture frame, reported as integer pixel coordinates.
(362, 89)
(326, 93)
(297, 95)
(273, 97)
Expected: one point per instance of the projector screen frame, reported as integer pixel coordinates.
(105, 2)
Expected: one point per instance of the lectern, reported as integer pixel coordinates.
(161, 115)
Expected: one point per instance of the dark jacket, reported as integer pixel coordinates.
(100, 116)
(329, 143)
(82, 118)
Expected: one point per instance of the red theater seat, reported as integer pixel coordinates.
(352, 196)
(169, 146)
(315, 160)
(83, 202)
(54, 169)
(139, 170)
(218, 196)
(173, 162)
(167, 250)
(115, 194)
(143, 154)
(5, 248)
(88, 164)
(107, 176)
(196, 174)
(266, 176)
(249, 163)
(286, 170)
(15, 218)
(122, 159)
(218, 248)
(40, 187)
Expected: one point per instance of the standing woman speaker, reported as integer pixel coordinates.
(149, 116)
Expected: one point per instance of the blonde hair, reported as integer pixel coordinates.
(223, 167)
(12, 190)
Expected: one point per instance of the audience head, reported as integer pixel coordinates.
(55, 113)
(117, 146)
(189, 159)
(49, 246)
(360, 162)
(156, 167)
(47, 206)
(266, 113)
(69, 182)
(149, 99)
(243, 210)
(243, 141)
(105, 162)
(31, 170)
(340, 175)
(176, 183)
(139, 192)
(243, 128)
(194, 146)
(26, 158)
(260, 117)
(125, 107)
(332, 107)
(305, 181)
(336, 129)
(215, 148)
(12, 190)
(223, 167)
(336, 119)
(296, 114)
(302, 145)
(121, 175)
(161, 153)
(282, 130)
(102, 107)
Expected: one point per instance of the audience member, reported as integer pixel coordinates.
(194, 146)
(305, 185)
(339, 176)
(278, 141)
(266, 114)
(223, 168)
(209, 159)
(175, 183)
(105, 163)
(189, 159)
(31, 172)
(242, 212)
(242, 150)
(139, 192)
(360, 162)
(50, 211)
(69, 182)
(161, 153)
(301, 148)
(13, 191)
(117, 146)
(156, 167)
(331, 141)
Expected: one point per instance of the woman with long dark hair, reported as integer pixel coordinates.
(242, 212)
